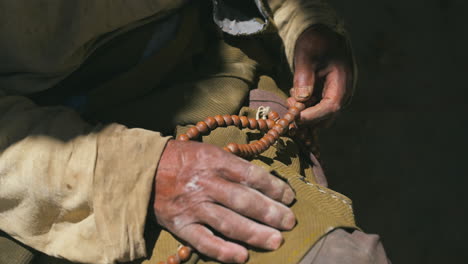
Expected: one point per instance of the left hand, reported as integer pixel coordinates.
(323, 74)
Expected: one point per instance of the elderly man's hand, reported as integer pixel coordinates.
(199, 187)
(322, 77)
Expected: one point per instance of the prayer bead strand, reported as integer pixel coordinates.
(273, 126)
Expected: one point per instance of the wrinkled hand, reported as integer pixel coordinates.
(199, 186)
(322, 77)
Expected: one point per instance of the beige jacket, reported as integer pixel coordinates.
(67, 188)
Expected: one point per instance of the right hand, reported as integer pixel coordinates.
(199, 185)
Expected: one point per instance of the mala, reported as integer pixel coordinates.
(274, 127)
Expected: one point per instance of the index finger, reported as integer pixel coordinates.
(333, 94)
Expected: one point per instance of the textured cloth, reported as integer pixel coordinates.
(13, 253)
(340, 246)
(68, 188)
(80, 191)
(43, 42)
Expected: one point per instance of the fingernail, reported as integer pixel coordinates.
(242, 258)
(302, 92)
(275, 240)
(288, 222)
(288, 196)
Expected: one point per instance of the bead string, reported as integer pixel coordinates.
(274, 127)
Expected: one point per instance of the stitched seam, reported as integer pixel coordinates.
(334, 196)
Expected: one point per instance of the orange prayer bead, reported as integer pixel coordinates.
(236, 120)
(254, 146)
(262, 146)
(244, 121)
(173, 260)
(193, 132)
(262, 126)
(271, 139)
(233, 147)
(290, 117)
(184, 253)
(228, 120)
(283, 122)
(279, 128)
(241, 149)
(265, 142)
(273, 115)
(219, 120)
(274, 133)
(248, 150)
(270, 123)
(257, 148)
(183, 137)
(203, 127)
(294, 111)
(299, 106)
(253, 124)
(211, 122)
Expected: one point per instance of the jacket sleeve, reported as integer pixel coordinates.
(292, 17)
(72, 190)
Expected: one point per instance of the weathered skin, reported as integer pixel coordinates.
(199, 184)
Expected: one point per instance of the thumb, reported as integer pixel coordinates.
(304, 80)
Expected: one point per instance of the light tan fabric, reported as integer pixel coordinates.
(62, 179)
(72, 190)
(292, 17)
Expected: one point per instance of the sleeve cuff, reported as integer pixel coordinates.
(293, 17)
(125, 167)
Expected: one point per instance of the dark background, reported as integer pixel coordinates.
(399, 150)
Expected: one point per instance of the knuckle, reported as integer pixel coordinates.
(224, 254)
(241, 202)
(272, 214)
(253, 173)
(227, 228)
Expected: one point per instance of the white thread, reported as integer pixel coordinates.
(262, 112)
(323, 191)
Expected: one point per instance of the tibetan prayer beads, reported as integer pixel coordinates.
(183, 254)
(274, 127)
